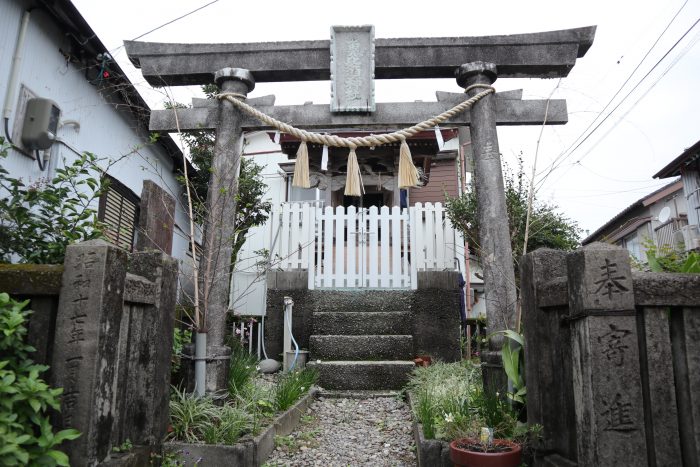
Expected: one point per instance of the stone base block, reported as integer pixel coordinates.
(335, 347)
(362, 323)
(364, 375)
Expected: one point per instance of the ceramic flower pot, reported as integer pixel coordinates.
(466, 452)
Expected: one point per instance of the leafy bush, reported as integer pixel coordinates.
(443, 395)
(26, 434)
(38, 221)
(548, 227)
(292, 386)
(180, 338)
(668, 259)
(242, 369)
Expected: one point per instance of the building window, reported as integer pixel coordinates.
(634, 247)
(119, 211)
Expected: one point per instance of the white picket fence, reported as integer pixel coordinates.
(367, 248)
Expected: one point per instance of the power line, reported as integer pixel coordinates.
(671, 65)
(179, 18)
(168, 23)
(635, 86)
(623, 84)
(559, 159)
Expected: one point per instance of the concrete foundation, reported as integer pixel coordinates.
(430, 314)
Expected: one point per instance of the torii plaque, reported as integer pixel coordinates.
(473, 60)
(352, 69)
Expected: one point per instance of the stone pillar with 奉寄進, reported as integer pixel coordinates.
(608, 397)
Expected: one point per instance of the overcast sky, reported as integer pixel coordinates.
(609, 171)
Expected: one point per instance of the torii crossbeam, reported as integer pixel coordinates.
(352, 60)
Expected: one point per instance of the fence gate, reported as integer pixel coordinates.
(381, 248)
(365, 248)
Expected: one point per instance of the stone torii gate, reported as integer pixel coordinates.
(352, 60)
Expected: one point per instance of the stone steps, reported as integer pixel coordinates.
(360, 342)
(363, 375)
(363, 347)
(362, 323)
(362, 301)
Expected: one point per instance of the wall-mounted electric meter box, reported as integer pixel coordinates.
(40, 124)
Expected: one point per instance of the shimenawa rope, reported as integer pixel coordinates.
(408, 175)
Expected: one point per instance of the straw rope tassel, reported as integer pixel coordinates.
(408, 174)
(353, 183)
(301, 167)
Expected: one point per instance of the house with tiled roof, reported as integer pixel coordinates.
(668, 217)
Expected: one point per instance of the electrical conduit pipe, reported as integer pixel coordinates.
(288, 336)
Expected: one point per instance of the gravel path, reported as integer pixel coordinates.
(342, 432)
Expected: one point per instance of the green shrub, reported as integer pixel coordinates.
(38, 221)
(292, 386)
(198, 420)
(228, 426)
(242, 368)
(180, 338)
(445, 399)
(26, 434)
(190, 416)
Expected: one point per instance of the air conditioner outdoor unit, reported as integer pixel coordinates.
(687, 238)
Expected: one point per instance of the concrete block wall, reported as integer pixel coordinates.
(433, 310)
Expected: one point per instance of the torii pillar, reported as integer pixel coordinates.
(494, 238)
(220, 223)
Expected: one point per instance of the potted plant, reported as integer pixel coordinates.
(472, 452)
(485, 451)
(423, 360)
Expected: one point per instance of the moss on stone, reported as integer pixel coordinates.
(31, 279)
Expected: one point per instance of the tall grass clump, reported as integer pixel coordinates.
(247, 407)
(229, 424)
(190, 416)
(242, 370)
(198, 420)
(292, 386)
(445, 398)
(425, 412)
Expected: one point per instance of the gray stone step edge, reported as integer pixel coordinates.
(357, 347)
(397, 372)
(362, 323)
(357, 394)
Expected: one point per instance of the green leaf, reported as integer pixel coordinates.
(60, 458)
(511, 363)
(514, 336)
(63, 435)
(35, 404)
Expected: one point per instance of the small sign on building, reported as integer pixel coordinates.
(352, 69)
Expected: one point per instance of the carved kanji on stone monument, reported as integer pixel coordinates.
(610, 283)
(614, 344)
(608, 399)
(352, 69)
